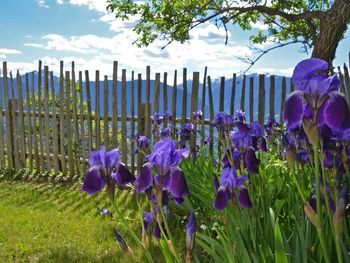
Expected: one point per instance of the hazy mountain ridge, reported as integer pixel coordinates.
(215, 90)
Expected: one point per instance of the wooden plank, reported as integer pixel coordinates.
(283, 98)
(148, 106)
(124, 128)
(97, 111)
(347, 82)
(221, 109)
(222, 94)
(139, 103)
(2, 149)
(233, 94)
(88, 102)
(14, 125)
(40, 107)
(140, 128)
(21, 131)
(251, 99)
(35, 127)
(115, 104)
(9, 130)
(132, 133)
(291, 85)
(194, 106)
(75, 129)
(156, 93)
(82, 123)
(105, 113)
(203, 106)
(184, 96)
(211, 109)
(173, 104)
(261, 106)
(165, 92)
(62, 122)
(243, 94)
(69, 126)
(272, 96)
(55, 145)
(47, 121)
(29, 124)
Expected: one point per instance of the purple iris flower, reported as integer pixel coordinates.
(156, 118)
(316, 93)
(167, 117)
(191, 229)
(104, 166)
(198, 115)
(166, 132)
(239, 116)
(229, 184)
(142, 142)
(187, 130)
(165, 160)
(223, 122)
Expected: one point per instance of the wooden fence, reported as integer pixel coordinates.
(50, 126)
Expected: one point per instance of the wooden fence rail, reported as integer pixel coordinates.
(51, 124)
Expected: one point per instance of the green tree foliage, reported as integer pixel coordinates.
(317, 25)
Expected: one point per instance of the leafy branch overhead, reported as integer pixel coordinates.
(318, 25)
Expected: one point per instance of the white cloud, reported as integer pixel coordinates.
(33, 45)
(60, 2)
(9, 51)
(2, 56)
(98, 5)
(42, 3)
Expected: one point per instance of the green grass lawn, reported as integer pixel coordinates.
(48, 223)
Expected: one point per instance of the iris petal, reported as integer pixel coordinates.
(112, 158)
(178, 186)
(336, 112)
(306, 68)
(98, 158)
(94, 181)
(294, 109)
(123, 176)
(191, 231)
(252, 162)
(244, 199)
(221, 199)
(145, 180)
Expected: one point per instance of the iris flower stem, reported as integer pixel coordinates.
(134, 236)
(318, 204)
(168, 231)
(330, 216)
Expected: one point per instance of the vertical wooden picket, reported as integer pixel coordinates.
(105, 113)
(97, 111)
(55, 145)
(211, 109)
(46, 118)
(243, 94)
(132, 126)
(272, 96)
(124, 128)
(233, 94)
(9, 130)
(261, 115)
(69, 126)
(29, 123)
(203, 106)
(115, 105)
(251, 99)
(283, 98)
(194, 105)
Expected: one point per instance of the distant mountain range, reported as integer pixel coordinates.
(179, 106)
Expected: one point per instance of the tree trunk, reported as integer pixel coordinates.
(333, 26)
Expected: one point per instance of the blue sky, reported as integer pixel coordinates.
(81, 30)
